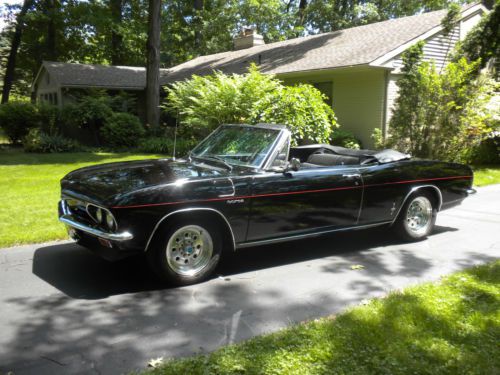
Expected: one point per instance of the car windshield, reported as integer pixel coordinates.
(239, 145)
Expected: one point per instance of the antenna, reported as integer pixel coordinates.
(175, 132)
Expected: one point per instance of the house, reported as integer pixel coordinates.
(60, 83)
(356, 68)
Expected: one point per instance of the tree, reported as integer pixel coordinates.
(14, 47)
(117, 51)
(153, 64)
(483, 41)
(438, 115)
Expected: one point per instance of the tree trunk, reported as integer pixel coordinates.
(198, 7)
(302, 12)
(14, 47)
(51, 30)
(153, 65)
(117, 53)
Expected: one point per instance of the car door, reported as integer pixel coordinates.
(304, 201)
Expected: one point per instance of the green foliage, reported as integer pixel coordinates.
(155, 145)
(488, 151)
(122, 130)
(48, 118)
(38, 141)
(439, 115)
(17, 118)
(301, 108)
(206, 102)
(88, 115)
(378, 139)
(344, 138)
(483, 41)
(203, 103)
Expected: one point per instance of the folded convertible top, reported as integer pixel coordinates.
(366, 156)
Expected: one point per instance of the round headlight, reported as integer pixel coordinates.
(98, 215)
(110, 221)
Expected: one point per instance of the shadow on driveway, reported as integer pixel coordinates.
(79, 274)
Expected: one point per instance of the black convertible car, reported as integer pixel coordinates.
(245, 186)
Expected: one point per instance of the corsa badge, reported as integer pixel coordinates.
(235, 201)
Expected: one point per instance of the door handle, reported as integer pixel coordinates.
(351, 176)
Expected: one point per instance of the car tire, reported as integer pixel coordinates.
(417, 217)
(186, 253)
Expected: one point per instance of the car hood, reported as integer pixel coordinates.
(107, 183)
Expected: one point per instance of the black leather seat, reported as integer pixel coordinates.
(324, 159)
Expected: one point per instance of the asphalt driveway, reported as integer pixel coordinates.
(62, 310)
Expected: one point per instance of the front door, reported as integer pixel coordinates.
(308, 200)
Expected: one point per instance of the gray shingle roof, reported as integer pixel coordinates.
(354, 46)
(85, 75)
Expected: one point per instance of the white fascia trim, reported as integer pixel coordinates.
(382, 60)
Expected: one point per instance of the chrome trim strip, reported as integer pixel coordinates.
(301, 236)
(70, 221)
(283, 137)
(414, 189)
(228, 195)
(188, 210)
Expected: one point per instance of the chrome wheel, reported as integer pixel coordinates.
(189, 250)
(419, 216)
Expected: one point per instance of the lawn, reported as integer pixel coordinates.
(486, 175)
(29, 187)
(448, 327)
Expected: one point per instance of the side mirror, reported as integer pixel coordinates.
(294, 164)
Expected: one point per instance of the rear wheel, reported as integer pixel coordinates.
(417, 218)
(187, 253)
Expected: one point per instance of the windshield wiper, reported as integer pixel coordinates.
(214, 158)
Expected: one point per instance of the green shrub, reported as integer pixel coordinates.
(301, 108)
(16, 119)
(85, 118)
(488, 151)
(38, 141)
(122, 130)
(48, 117)
(344, 138)
(378, 139)
(439, 114)
(203, 103)
(183, 146)
(155, 145)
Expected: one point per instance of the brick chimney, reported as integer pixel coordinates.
(247, 38)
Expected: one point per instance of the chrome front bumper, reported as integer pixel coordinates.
(68, 219)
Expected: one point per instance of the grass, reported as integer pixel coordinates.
(486, 175)
(29, 188)
(448, 327)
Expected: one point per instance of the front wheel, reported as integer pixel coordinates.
(417, 218)
(186, 254)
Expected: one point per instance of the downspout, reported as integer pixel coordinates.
(384, 113)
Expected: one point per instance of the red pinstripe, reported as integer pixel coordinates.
(294, 192)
